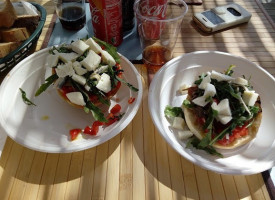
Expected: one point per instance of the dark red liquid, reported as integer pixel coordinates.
(72, 18)
(155, 56)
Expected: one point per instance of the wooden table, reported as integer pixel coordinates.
(138, 164)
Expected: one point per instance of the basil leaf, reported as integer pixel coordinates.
(25, 99)
(47, 83)
(170, 111)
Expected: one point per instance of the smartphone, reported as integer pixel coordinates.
(221, 17)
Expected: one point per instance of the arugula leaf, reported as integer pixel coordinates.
(128, 84)
(97, 113)
(170, 111)
(187, 104)
(47, 83)
(25, 99)
(109, 48)
(193, 141)
(229, 71)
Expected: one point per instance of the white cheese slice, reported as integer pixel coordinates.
(204, 82)
(79, 79)
(64, 70)
(200, 101)
(178, 123)
(101, 69)
(210, 90)
(221, 77)
(224, 119)
(183, 135)
(79, 69)
(76, 98)
(250, 97)
(107, 58)
(79, 46)
(66, 57)
(104, 83)
(93, 45)
(87, 87)
(240, 81)
(224, 108)
(52, 60)
(92, 61)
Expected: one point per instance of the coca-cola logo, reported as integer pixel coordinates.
(158, 10)
(95, 14)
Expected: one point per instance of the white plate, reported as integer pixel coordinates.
(45, 127)
(259, 154)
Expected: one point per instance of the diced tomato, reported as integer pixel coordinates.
(91, 130)
(98, 123)
(201, 120)
(131, 100)
(111, 121)
(74, 133)
(238, 132)
(116, 109)
(87, 130)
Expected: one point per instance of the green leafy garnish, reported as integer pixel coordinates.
(109, 48)
(195, 142)
(186, 103)
(96, 112)
(170, 111)
(229, 71)
(25, 99)
(128, 84)
(47, 83)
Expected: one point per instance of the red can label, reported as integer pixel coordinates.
(107, 20)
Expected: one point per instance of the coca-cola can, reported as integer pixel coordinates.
(107, 20)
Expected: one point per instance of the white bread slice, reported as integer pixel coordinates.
(14, 34)
(6, 48)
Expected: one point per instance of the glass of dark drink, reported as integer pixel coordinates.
(158, 24)
(71, 13)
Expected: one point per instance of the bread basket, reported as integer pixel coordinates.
(22, 51)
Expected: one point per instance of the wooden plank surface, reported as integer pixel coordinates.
(138, 163)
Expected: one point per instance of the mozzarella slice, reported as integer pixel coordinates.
(204, 82)
(104, 83)
(67, 57)
(183, 135)
(79, 69)
(220, 77)
(200, 101)
(52, 60)
(178, 123)
(224, 119)
(210, 90)
(250, 97)
(241, 81)
(91, 62)
(76, 98)
(107, 58)
(93, 45)
(224, 108)
(65, 70)
(79, 79)
(79, 46)
(101, 69)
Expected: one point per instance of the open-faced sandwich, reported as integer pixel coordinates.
(86, 73)
(222, 111)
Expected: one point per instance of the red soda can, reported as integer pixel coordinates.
(107, 20)
(155, 10)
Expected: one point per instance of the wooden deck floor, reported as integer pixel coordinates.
(269, 6)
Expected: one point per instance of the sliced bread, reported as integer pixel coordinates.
(14, 34)
(6, 48)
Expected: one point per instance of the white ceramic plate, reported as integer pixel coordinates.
(254, 157)
(45, 127)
